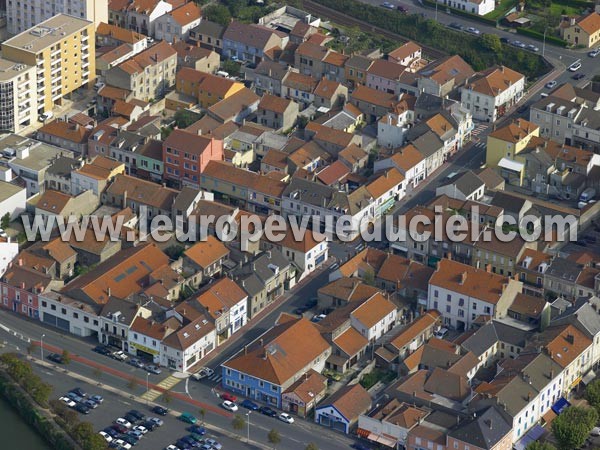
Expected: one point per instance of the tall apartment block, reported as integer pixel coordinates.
(18, 99)
(24, 14)
(62, 50)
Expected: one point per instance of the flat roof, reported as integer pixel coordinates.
(7, 190)
(11, 69)
(41, 155)
(47, 33)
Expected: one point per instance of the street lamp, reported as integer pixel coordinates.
(147, 386)
(42, 346)
(248, 419)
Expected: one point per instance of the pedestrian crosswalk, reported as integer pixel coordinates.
(480, 128)
(215, 377)
(166, 384)
(479, 144)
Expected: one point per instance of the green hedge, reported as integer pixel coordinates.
(537, 35)
(430, 33)
(460, 12)
(575, 3)
(30, 414)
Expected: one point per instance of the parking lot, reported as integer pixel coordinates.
(588, 241)
(115, 406)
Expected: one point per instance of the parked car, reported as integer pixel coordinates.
(456, 26)
(137, 434)
(137, 414)
(119, 428)
(103, 350)
(388, 5)
(595, 431)
(575, 66)
(90, 403)
(81, 408)
(197, 429)
(111, 432)
(73, 396)
(533, 48)
(228, 396)
(157, 421)
(214, 444)
(160, 410)
(136, 363)
(46, 116)
(267, 411)
(578, 76)
(518, 44)
(441, 333)
(130, 418)
(402, 9)
(188, 418)
(67, 401)
(172, 447)
(122, 444)
(154, 369)
(150, 425)
(141, 428)
(56, 358)
(123, 422)
(203, 373)
(249, 404)
(107, 437)
(285, 417)
(97, 398)
(119, 355)
(551, 84)
(79, 392)
(473, 30)
(129, 438)
(229, 406)
(505, 40)
(594, 53)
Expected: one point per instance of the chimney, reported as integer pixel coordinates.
(529, 396)
(20, 261)
(488, 268)
(449, 256)
(261, 342)
(570, 339)
(572, 21)
(463, 278)
(108, 291)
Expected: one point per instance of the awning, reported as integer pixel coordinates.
(575, 382)
(589, 377)
(560, 405)
(382, 439)
(549, 417)
(534, 434)
(362, 432)
(509, 164)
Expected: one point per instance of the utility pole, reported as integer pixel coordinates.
(42, 346)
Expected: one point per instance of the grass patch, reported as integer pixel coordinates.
(501, 9)
(370, 379)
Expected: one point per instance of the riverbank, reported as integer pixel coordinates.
(15, 432)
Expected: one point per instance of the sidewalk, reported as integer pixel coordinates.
(260, 316)
(139, 399)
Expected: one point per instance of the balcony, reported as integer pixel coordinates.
(55, 53)
(41, 88)
(84, 38)
(85, 64)
(55, 71)
(56, 97)
(85, 47)
(85, 74)
(56, 87)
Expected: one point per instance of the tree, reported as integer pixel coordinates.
(184, 118)
(94, 442)
(592, 394)
(82, 431)
(311, 446)
(573, 426)
(238, 423)
(66, 356)
(166, 398)
(491, 42)
(535, 445)
(274, 437)
(231, 67)
(5, 221)
(202, 414)
(217, 13)
(132, 383)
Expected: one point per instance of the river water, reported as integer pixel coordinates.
(15, 433)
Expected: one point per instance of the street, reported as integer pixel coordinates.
(186, 395)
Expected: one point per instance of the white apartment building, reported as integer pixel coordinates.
(461, 293)
(374, 318)
(18, 102)
(67, 314)
(392, 128)
(490, 94)
(479, 7)
(21, 15)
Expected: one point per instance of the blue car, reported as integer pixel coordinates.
(197, 429)
(248, 404)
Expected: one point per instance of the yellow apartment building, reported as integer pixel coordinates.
(62, 49)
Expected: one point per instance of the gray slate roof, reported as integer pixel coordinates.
(466, 182)
(583, 316)
(484, 430)
(481, 341)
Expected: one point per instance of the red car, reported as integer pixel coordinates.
(230, 397)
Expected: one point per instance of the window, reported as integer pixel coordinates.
(448, 298)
